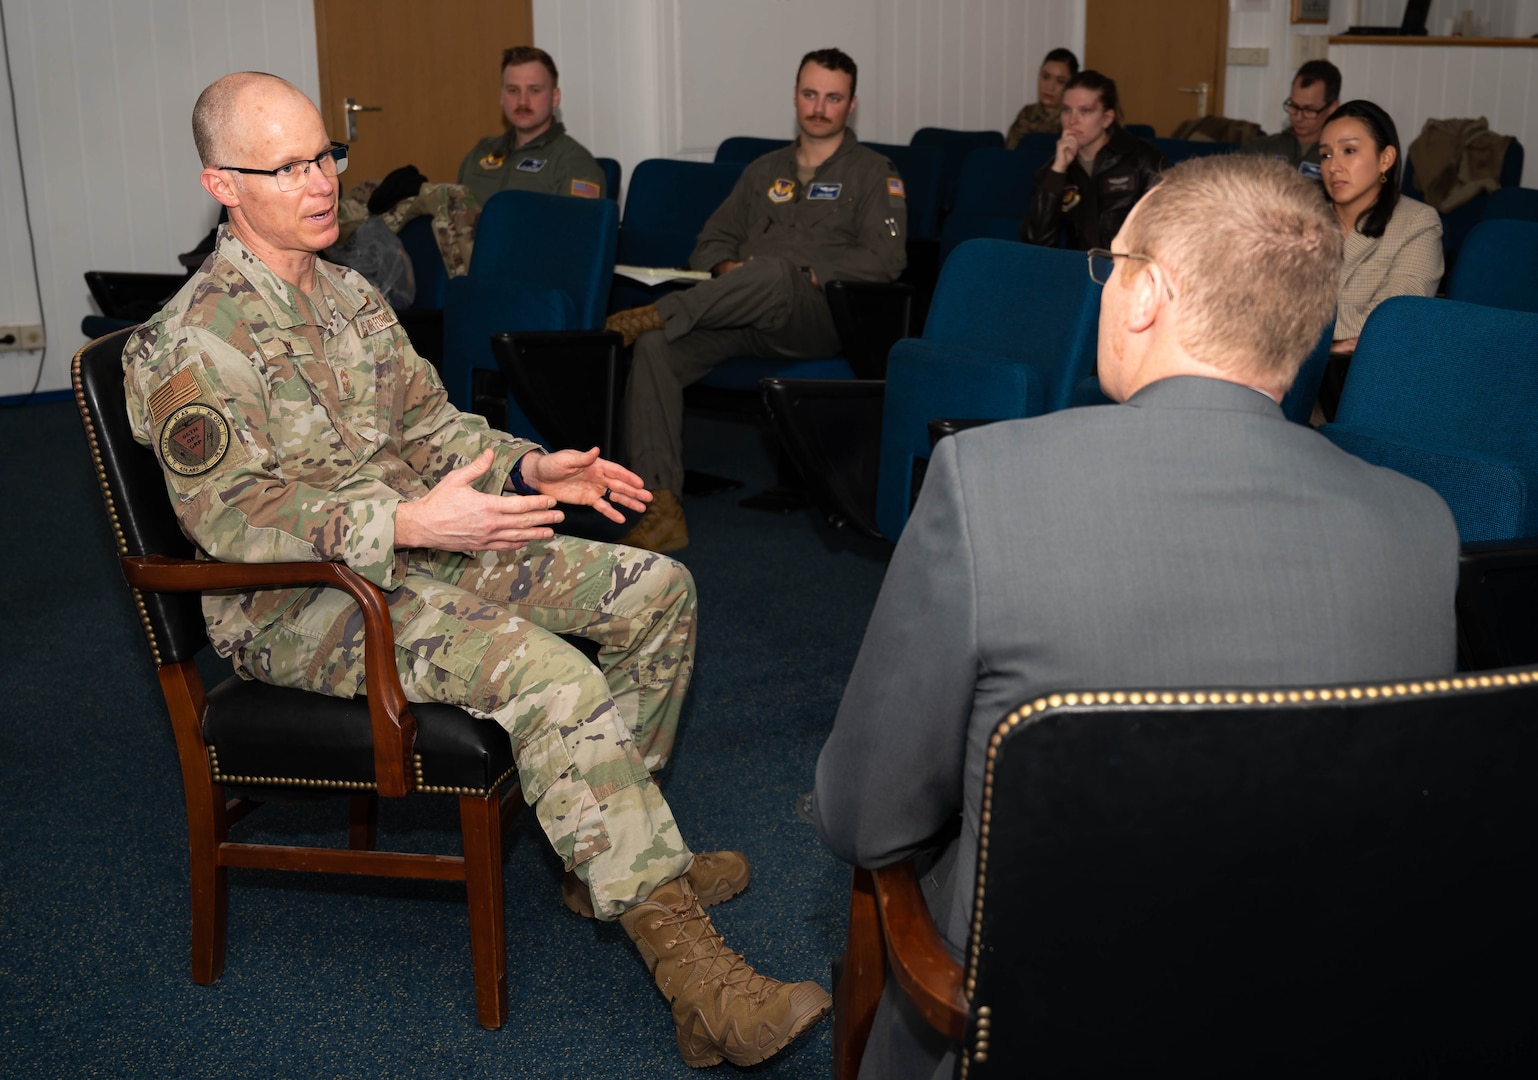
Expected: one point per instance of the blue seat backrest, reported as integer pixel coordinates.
(553, 240)
(1019, 300)
(432, 279)
(611, 177)
(991, 197)
(1039, 146)
(920, 168)
(746, 148)
(1140, 131)
(666, 207)
(1459, 374)
(954, 146)
(1178, 150)
(1512, 203)
(1498, 265)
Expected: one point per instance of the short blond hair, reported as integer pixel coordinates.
(1254, 254)
(216, 112)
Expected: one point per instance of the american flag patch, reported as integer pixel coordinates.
(585, 189)
(894, 186)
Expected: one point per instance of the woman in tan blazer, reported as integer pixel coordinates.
(1393, 245)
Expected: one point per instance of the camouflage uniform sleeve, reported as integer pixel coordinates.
(204, 409)
(881, 252)
(438, 438)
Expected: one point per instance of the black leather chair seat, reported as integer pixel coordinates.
(272, 736)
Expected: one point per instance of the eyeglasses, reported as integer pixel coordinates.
(1102, 262)
(1309, 111)
(296, 174)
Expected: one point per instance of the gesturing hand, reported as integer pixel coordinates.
(582, 478)
(1067, 147)
(454, 516)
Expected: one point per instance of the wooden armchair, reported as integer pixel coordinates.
(244, 742)
(1333, 881)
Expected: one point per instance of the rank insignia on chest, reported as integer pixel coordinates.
(531, 164)
(894, 186)
(492, 161)
(1070, 198)
(824, 190)
(1118, 182)
(193, 439)
(782, 190)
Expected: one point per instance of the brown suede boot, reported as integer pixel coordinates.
(633, 322)
(662, 528)
(715, 877)
(722, 1008)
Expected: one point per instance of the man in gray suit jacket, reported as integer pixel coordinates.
(1189, 536)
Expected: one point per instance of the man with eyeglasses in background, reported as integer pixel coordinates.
(1190, 536)
(1315, 95)
(294, 422)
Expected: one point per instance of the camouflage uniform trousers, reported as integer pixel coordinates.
(482, 633)
(453, 209)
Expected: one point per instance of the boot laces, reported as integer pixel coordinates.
(729, 969)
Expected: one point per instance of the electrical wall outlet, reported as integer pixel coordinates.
(28, 337)
(1260, 57)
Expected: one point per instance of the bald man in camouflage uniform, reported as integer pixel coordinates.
(294, 421)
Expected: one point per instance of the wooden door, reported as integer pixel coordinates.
(1156, 50)
(429, 68)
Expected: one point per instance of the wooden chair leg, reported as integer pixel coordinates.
(363, 824)
(206, 830)
(480, 821)
(861, 978)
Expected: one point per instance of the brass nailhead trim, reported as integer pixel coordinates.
(349, 785)
(1288, 696)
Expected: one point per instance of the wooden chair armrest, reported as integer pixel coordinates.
(917, 954)
(394, 727)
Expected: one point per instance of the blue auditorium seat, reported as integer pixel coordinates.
(954, 147)
(611, 177)
(1498, 266)
(746, 148)
(1459, 221)
(666, 207)
(1516, 203)
(992, 196)
(1178, 150)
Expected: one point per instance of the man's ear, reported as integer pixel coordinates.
(555, 98)
(1147, 298)
(217, 183)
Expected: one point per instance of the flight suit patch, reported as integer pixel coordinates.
(782, 190)
(172, 394)
(193, 439)
(824, 190)
(492, 161)
(585, 189)
(1118, 182)
(1070, 197)
(532, 164)
(1309, 169)
(894, 186)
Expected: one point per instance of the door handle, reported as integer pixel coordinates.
(351, 109)
(1200, 90)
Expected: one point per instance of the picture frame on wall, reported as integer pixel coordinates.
(1310, 11)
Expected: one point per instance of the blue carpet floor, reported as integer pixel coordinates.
(356, 977)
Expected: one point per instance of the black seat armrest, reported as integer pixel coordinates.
(567, 382)
(870, 318)
(830, 429)
(1497, 595)
(939, 429)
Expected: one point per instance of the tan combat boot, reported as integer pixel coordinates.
(715, 877)
(662, 528)
(722, 1008)
(633, 322)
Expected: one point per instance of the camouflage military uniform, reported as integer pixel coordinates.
(552, 162)
(289, 428)
(453, 209)
(1034, 118)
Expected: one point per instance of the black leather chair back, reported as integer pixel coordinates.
(1190, 885)
(143, 522)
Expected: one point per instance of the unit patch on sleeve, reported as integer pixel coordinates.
(1070, 197)
(532, 164)
(492, 161)
(824, 190)
(193, 439)
(782, 190)
(894, 186)
(585, 189)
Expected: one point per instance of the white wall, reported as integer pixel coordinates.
(104, 95)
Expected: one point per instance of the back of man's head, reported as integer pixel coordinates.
(1253, 255)
(834, 60)
(1320, 71)
(518, 55)
(216, 116)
